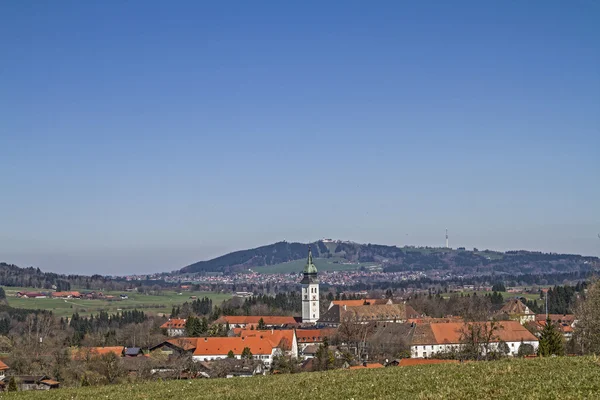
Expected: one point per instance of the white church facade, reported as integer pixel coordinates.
(310, 292)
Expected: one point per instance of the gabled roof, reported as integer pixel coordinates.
(450, 333)
(565, 318)
(3, 367)
(83, 352)
(220, 346)
(254, 319)
(367, 366)
(174, 323)
(184, 343)
(132, 351)
(282, 338)
(515, 306)
(376, 312)
(314, 335)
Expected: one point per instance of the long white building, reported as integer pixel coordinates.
(429, 339)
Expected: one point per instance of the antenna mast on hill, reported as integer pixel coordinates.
(447, 238)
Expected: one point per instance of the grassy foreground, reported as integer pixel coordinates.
(550, 378)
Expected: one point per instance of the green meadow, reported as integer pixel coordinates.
(525, 379)
(151, 304)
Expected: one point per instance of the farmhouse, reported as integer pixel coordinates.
(66, 295)
(216, 348)
(517, 311)
(35, 382)
(176, 346)
(87, 353)
(284, 339)
(430, 339)
(3, 369)
(174, 327)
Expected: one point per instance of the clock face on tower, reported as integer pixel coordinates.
(314, 297)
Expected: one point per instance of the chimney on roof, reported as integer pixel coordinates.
(344, 307)
(206, 339)
(272, 330)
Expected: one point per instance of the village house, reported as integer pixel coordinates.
(35, 382)
(174, 326)
(66, 295)
(363, 314)
(517, 311)
(32, 295)
(87, 353)
(246, 321)
(308, 337)
(430, 339)
(176, 346)
(284, 339)
(565, 323)
(3, 369)
(133, 352)
(217, 348)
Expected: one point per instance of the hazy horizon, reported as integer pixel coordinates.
(141, 137)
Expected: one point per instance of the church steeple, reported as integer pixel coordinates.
(310, 267)
(310, 291)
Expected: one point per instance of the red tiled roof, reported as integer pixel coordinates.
(83, 352)
(3, 367)
(450, 333)
(220, 346)
(185, 343)
(570, 318)
(283, 338)
(254, 319)
(368, 366)
(66, 294)
(174, 323)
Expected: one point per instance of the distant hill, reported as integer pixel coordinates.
(394, 259)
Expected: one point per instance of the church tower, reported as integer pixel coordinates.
(310, 292)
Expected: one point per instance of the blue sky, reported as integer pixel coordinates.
(140, 136)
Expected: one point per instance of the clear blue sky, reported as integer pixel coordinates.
(141, 136)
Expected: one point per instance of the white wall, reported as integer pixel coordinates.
(429, 350)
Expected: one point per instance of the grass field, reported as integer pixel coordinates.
(147, 303)
(550, 378)
(322, 264)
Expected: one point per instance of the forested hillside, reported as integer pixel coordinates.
(394, 259)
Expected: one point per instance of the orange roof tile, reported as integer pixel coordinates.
(185, 343)
(368, 366)
(220, 346)
(360, 302)
(3, 367)
(84, 352)
(508, 331)
(283, 338)
(174, 323)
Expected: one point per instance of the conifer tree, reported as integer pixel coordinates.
(551, 341)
